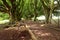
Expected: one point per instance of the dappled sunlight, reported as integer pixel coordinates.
(27, 26)
(38, 33)
(41, 33)
(4, 21)
(55, 2)
(41, 17)
(45, 34)
(42, 25)
(53, 17)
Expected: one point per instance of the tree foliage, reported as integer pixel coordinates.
(27, 9)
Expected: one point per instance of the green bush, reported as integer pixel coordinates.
(4, 16)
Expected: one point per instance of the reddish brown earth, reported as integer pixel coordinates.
(45, 33)
(40, 31)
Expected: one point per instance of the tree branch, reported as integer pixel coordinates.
(12, 2)
(6, 4)
(44, 4)
(2, 9)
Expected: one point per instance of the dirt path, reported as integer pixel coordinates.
(44, 33)
(40, 31)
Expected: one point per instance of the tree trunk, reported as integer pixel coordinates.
(47, 14)
(35, 9)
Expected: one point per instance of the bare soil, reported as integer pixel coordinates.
(40, 31)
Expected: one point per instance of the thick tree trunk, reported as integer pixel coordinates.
(47, 15)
